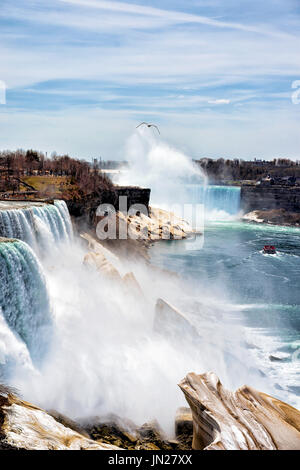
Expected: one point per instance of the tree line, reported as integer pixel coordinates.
(237, 170)
(15, 165)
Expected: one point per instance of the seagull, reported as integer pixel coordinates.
(148, 125)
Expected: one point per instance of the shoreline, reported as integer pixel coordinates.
(275, 217)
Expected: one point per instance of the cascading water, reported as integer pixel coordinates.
(40, 224)
(216, 199)
(17, 223)
(24, 302)
(25, 314)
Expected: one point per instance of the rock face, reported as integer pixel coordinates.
(270, 197)
(103, 266)
(25, 426)
(84, 210)
(241, 420)
(109, 265)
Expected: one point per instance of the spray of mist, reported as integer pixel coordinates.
(176, 182)
(157, 165)
(106, 354)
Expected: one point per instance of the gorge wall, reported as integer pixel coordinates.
(85, 209)
(270, 197)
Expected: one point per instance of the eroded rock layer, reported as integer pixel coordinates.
(25, 426)
(242, 420)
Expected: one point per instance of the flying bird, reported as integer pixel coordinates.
(148, 125)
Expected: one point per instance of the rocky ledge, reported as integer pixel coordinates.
(25, 426)
(157, 225)
(274, 216)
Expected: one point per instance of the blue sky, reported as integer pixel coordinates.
(216, 76)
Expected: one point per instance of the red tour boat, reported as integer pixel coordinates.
(270, 249)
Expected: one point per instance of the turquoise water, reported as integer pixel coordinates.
(261, 293)
(37, 225)
(215, 198)
(25, 310)
(24, 301)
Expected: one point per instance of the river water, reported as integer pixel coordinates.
(260, 293)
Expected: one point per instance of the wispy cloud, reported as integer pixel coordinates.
(167, 59)
(170, 15)
(219, 101)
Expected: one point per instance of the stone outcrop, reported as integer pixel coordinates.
(159, 225)
(275, 216)
(110, 266)
(173, 324)
(84, 210)
(25, 426)
(242, 420)
(103, 266)
(101, 258)
(132, 285)
(168, 225)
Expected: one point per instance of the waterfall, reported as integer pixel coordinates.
(25, 314)
(224, 199)
(24, 302)
(36, 224)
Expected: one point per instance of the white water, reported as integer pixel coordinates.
(24, 302)
(25, 310)
(220, 202)
(157, 165)
(37, 225)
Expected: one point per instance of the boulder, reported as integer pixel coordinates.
(130, 283)
(172, 323)
(104, 267)
(97, 247)
(175, 224)
(242, 420)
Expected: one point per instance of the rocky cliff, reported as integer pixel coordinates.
(270, 197)
(84, 210)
